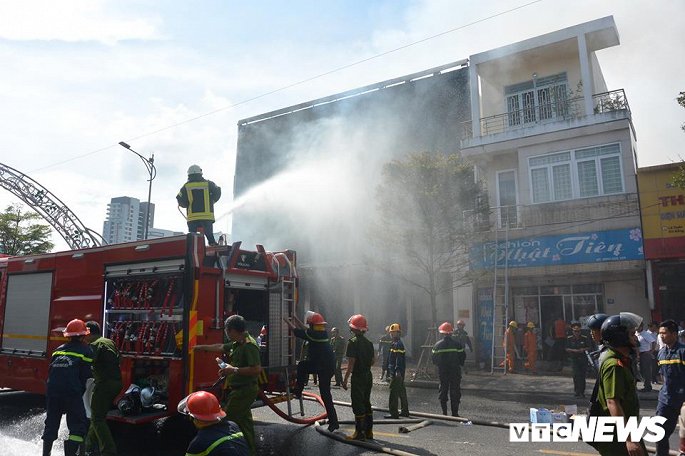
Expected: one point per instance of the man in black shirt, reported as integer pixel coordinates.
(576, 346)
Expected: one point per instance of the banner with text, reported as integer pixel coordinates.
(592, 247)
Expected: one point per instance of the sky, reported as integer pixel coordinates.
(78, 76)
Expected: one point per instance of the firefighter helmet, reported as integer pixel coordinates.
(264, 331)
(461, 323)
(315, 318)
(201, 405)
(513, 324)
(194, 169)
(446, 328)
(595, 321)
(358, 322)
(147, 396)
(76, 327)
(531, 325)
(395, 327)
(130, 403)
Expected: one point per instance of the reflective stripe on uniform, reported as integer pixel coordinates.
(396, 350)
(77, 355)
(448, 350)
(670, 361)
(206, 214)
(76, 438)
(216, 443)
(317, 340)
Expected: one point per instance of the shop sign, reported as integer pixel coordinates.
(485, 309)
(590, 247)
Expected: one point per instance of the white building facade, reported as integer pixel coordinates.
(556, 149)
(126, 220)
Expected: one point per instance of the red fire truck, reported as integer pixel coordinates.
(155, 299)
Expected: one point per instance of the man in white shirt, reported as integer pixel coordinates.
(647, 344)
(654, 329)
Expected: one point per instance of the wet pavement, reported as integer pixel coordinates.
(485, 397)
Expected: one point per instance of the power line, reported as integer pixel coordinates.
(294, 84)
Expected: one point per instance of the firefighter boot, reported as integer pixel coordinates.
(444, 407)
(70, 448)
(358, 429)
(455, 409)
(368, 425)
(47, 448)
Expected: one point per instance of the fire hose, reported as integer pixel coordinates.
(463, 420)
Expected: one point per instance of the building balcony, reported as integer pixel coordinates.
(547, 118)
(543, 216)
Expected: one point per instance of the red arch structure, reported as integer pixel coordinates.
(51, 208)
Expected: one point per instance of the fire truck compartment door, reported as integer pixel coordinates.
(153, 267)
(248, 282)
(27, 313)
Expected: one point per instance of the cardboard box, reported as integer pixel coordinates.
(559, 417)
(541, 415)
(571, 409)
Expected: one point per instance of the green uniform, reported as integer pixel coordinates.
(242, 389)
(361, 349)
(339, 345)
(616, 382)
(107, 376)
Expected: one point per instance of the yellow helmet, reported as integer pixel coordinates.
(531, 324)
(513, 324)
(394, 327)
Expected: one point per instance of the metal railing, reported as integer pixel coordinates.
(553, 111)
(523, 216)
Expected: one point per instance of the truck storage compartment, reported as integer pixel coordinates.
(144, 311)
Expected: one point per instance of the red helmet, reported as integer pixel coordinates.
(201, 405)
(315, 318)
(446, 328)
(76, 327)
(358, 322)
(461, 323)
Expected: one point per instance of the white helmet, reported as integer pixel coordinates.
(147, 396)
(194, 169)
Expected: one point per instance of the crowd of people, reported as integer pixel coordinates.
(620, 350)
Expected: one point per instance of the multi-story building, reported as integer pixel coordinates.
(554, 145)
(126, 220)
(556, 148)
(662, 205)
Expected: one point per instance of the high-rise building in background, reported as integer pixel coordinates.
(126, 220)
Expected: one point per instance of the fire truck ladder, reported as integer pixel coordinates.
(288, 345)
(500, 302)
(51, 208)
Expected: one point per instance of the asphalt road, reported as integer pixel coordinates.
(22, 415)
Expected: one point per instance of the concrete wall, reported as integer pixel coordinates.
(497, 74)
(628, 295)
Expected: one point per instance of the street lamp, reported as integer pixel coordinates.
(152, 171)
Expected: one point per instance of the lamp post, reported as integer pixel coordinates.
(152, 171)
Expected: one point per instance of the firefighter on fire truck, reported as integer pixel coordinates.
(69, 370)
(198, 196)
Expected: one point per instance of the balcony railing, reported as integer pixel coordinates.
(572, 211)
(554, 111)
